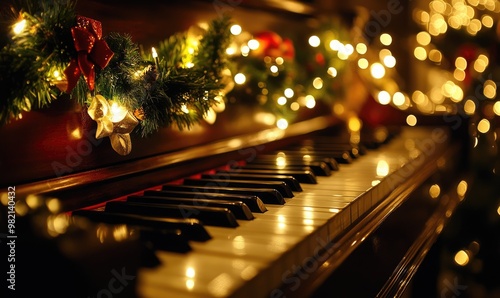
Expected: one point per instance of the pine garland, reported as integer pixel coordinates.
(179, 88)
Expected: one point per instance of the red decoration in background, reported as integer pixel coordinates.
(271, 44)
(91, 50)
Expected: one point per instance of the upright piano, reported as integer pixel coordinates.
(239, 208)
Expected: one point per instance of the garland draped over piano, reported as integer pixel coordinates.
(51, 51)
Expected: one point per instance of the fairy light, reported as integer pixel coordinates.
(310, 101)
(240, 78)
(332, 71)
(335, 45)
(423, 38)
(274, 69)
(461, 258)
(361, 48)
(282, 124)
(420, 53)
(487, 21)
(184, 109)
(318, 83)
(489, 89)
(280, 61)
(314, 41)
(155, 56)
(19, 27)
(289, 92)
(235, 29)
(481, 63)
(384, 98)
(363, 63)
(294, 106)
(459, 74)
(483, 126)
(282, 100)
(386, 39)
(411, 120)
(117, 112)
(469, 107)
(398, 99)
(496, 108)
(377, 70)
(389, 61)
(461, 63)
(435, 56)
(253, 44)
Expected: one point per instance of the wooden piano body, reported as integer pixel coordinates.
(371, 246)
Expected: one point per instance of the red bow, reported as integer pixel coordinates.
(91, 50)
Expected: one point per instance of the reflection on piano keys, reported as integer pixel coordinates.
(282, 245)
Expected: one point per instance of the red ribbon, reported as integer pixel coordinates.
(91, 50)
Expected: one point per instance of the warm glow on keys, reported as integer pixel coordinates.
(382, 168)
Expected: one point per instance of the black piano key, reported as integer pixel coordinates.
(167, 240)
(239, 209)
(211, 216)
(305, 176)
(282, 187)
(289, 180)
(254, 203)
(318, 168)
(330, 162)
(189, 227)
(268, 196)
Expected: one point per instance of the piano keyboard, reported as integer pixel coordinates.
(255, 248)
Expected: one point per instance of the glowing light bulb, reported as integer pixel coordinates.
(314, 41)
(386, 39)
(235, 29)
(240, 78)
(310, 101)
(19, 27)
(253, 44)
(377, 70)
(282, 124)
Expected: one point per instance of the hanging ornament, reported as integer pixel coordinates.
(91, 50)
(113, 121)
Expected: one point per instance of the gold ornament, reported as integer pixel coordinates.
(113, 121)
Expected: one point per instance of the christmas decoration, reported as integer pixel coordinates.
(52, 51)
(113, 121)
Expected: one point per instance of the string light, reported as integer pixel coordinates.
(282, 124)
(19, 27)
(314, 41)
(377, 70)
(240, 79)
(235, 29)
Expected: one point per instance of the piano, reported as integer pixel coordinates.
(251, 211)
